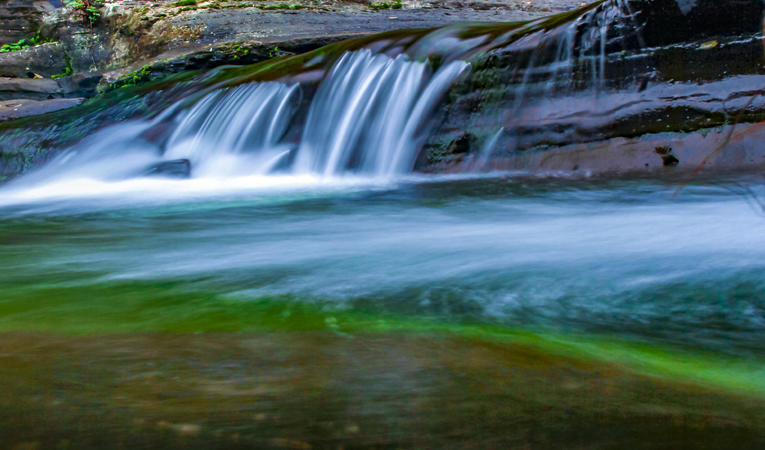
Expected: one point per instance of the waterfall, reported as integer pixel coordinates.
(372, 110)
(367, 114)
(227, 126)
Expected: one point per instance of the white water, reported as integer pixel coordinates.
(237, 131)
(368, 117)
(619, 257)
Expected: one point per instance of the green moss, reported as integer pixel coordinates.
(130, 307)
(67, 69)
(386, 5)
(290, 6)
(22, 44)
(185, 3)
(89, 10)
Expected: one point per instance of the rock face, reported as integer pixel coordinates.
(700, 74)
(45, 60)
(14, 109)
(560, 89)
(21, 18)
(669, 21)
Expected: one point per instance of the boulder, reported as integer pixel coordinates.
(177, 168)
(45, 60)
(80, 85)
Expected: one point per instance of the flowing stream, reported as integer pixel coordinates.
(285, 191)
(620, 258)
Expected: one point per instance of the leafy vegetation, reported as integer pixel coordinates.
(22, 44)
(67, 71)
(386, 5)
(89, 10)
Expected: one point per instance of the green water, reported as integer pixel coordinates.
(294, 312)
(612, 271)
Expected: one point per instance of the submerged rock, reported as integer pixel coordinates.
(178, 168)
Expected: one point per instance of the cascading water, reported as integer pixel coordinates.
(226, 128)
(372, 110)
(367, 114)
(561, 64)
(286, 237)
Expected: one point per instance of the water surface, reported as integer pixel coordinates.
(620, 258)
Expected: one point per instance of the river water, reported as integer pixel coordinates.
(621, 258)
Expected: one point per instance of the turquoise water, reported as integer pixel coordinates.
(617, 258)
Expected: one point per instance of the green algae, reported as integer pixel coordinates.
(325, 390)
(170, 307)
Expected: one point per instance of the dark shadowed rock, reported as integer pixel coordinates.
(461, 144)
(669, 21)
(178, 168)
(81, 84)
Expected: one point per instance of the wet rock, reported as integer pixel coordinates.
(17, 108)
(461, 144)
(29, 88)
(178, 168)
(80, 85)
(21, 18)
(46, 60)
(669, 21)
(695, 72)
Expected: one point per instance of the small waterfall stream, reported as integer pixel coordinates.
(367, 114)
(225, 128)
(370, 115)
(376, 108)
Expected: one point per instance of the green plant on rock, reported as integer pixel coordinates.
(185, 3)
(67, 70)
(386, 5)
(66, 73)
(240, 51)
(22, 44)
(88, 10)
